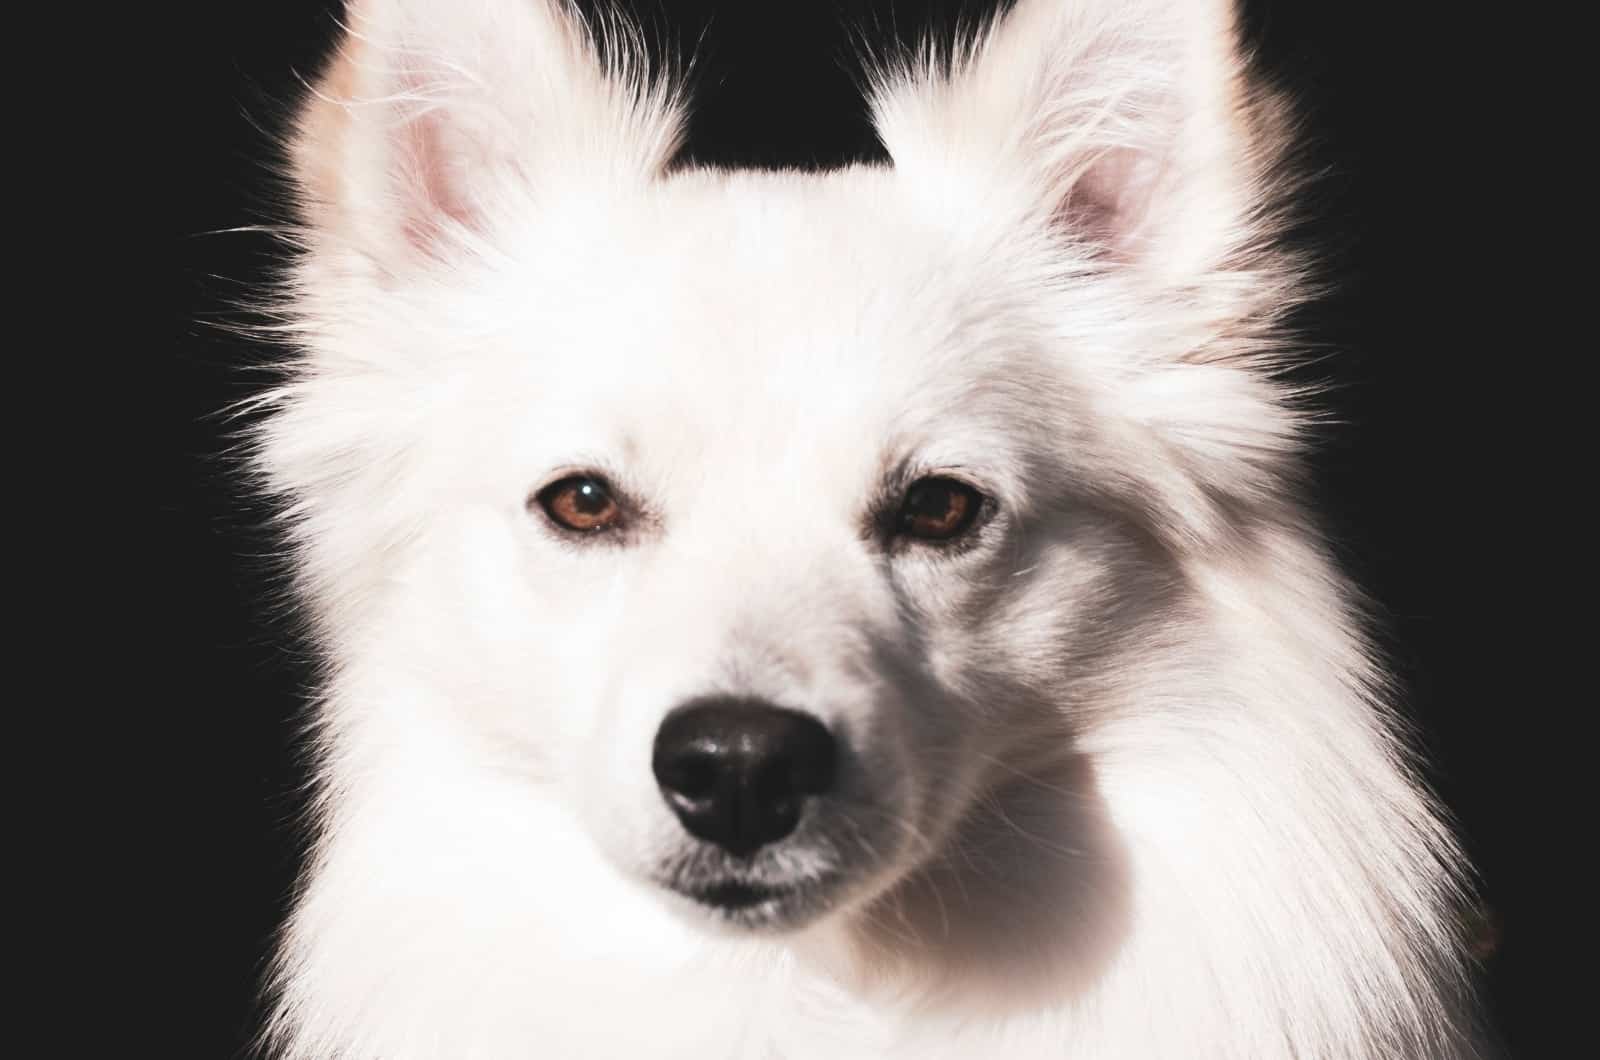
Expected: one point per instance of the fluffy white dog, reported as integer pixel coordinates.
(855, 614)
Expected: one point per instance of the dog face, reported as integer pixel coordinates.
(779, 467)
(762, 518)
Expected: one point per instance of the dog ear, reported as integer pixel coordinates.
(1121, 124)
(432, 118)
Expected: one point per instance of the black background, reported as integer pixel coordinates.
(1389, 116)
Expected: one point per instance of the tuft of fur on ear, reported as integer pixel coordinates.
(433, 119)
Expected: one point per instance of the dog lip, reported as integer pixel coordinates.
(734, 895)
(747, 900)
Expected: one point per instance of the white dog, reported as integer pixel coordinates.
(856, 614)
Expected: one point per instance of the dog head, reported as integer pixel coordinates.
(770, 521)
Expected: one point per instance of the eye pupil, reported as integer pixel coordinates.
(938, 509)
(590, 497)
(927, 501)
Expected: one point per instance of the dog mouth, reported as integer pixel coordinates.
(750, 904)
(735, 895)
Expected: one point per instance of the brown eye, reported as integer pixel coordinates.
(938, 509)
(580, 502)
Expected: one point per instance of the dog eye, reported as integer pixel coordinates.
(938, 509)
(580, 502)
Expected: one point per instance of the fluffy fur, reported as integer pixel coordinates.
(1121, 782)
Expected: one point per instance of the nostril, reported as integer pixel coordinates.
(773, 786)
(693, 776)
(807, 764)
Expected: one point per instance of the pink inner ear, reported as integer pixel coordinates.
(433, 184)
(1109, 202)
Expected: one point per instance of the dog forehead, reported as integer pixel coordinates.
(757, 282)
(783, 262)
(808, 323)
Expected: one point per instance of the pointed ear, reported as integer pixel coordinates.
(434, 118)
(1121, 123)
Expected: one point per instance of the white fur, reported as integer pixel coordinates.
(1132, 787)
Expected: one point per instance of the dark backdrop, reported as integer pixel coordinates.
(1401, 479)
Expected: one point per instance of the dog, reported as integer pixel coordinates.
(864, 613)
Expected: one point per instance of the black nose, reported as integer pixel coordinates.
(736, 771)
